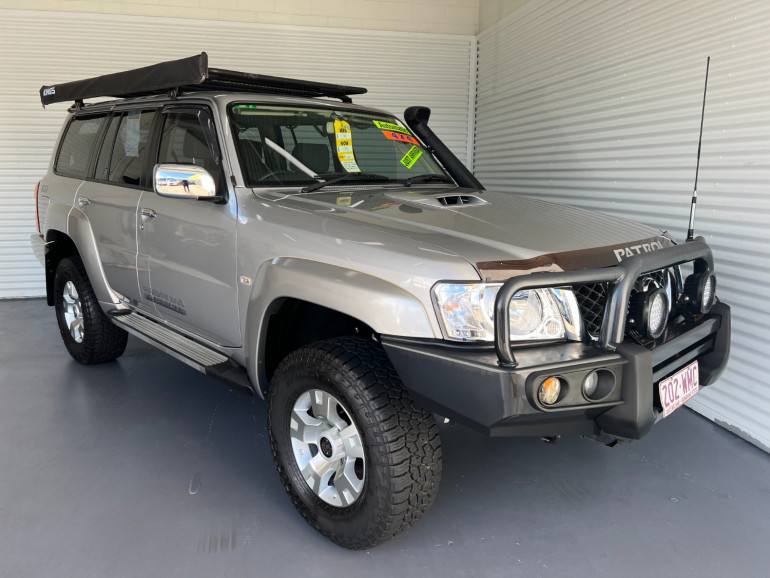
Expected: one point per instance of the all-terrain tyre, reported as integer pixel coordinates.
(88, 334)
(359, 459)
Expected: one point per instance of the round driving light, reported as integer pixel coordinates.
(549, 391)
(708, 294)
(590, 383)
(656, 313)
(700, 291)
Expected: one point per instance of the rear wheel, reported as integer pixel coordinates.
(359, 459)
(88, 334)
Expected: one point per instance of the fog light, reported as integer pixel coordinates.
(590, 383)
(549, 391)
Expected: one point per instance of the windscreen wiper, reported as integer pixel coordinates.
(427, 178)
(341, 177)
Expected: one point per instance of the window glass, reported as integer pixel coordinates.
(103, 164)
(184, 142)
(77, 146)
(286, 145)
(309, 137)
(130, 147)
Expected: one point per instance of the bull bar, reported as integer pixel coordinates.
(621, 279)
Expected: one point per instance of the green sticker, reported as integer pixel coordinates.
(411, 157)
(240, 106)
(390, 126)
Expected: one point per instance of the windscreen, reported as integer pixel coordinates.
(298, 146)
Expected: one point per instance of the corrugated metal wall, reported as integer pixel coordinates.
(399, 69)
(597, 104)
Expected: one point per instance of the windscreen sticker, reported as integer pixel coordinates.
(399, 136)
(411, 157)
(390, 126)
(345, 200)
(345, 146)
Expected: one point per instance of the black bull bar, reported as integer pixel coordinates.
(620, 279)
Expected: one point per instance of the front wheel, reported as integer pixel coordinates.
(359, 459)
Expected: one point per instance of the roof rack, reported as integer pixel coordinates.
(186, 75)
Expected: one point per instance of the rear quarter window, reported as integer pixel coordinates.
(77, 146)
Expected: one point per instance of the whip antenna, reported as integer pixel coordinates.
(697, 164)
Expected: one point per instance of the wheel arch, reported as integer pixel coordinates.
(297, 301)
(80, 233)
(59, 246)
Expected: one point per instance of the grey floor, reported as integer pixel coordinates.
(145, 467)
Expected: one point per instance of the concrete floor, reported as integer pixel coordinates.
(145, 467)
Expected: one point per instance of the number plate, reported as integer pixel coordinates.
(679, 388)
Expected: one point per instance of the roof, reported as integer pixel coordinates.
(185, 75)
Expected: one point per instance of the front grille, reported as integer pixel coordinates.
(592, 298)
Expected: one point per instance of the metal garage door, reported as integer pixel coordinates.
(597, 104)
(399, 70)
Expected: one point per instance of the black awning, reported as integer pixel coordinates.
(188, 74)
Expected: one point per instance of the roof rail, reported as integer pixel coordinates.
(188, 74)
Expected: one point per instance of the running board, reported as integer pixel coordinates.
(192, 353)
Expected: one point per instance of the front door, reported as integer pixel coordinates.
(188, 246)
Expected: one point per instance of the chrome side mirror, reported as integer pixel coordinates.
(184, 182)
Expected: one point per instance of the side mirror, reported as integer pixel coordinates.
(184, 182)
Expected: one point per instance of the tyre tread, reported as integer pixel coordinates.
(407, 434)
(102, 341)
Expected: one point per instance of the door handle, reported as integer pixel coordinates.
(84, 201)
(148, 214)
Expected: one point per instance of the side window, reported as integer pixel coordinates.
(76, 148)
(183, 142)
(130, 148)
(103, 163)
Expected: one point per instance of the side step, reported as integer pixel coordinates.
(194, 354)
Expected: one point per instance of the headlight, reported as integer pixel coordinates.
(467, 312)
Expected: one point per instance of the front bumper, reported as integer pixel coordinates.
(470, 386)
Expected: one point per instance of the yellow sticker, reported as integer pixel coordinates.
(390, 126)
(345, 146)
(345, 200)
(411, 157)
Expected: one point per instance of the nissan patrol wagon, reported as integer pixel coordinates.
(343, 264)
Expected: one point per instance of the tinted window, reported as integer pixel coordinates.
(76, 148)
(130, 149)
(183, 142)
(103, 164)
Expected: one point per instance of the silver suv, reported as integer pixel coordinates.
(345, 266)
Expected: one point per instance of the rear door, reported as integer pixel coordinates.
(110, 197)
(189, 245)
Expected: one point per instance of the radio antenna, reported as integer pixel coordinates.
(697, 164)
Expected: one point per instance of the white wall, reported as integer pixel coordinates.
(399, 69)
(435, 16)
(492, 11)
(598, 103)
